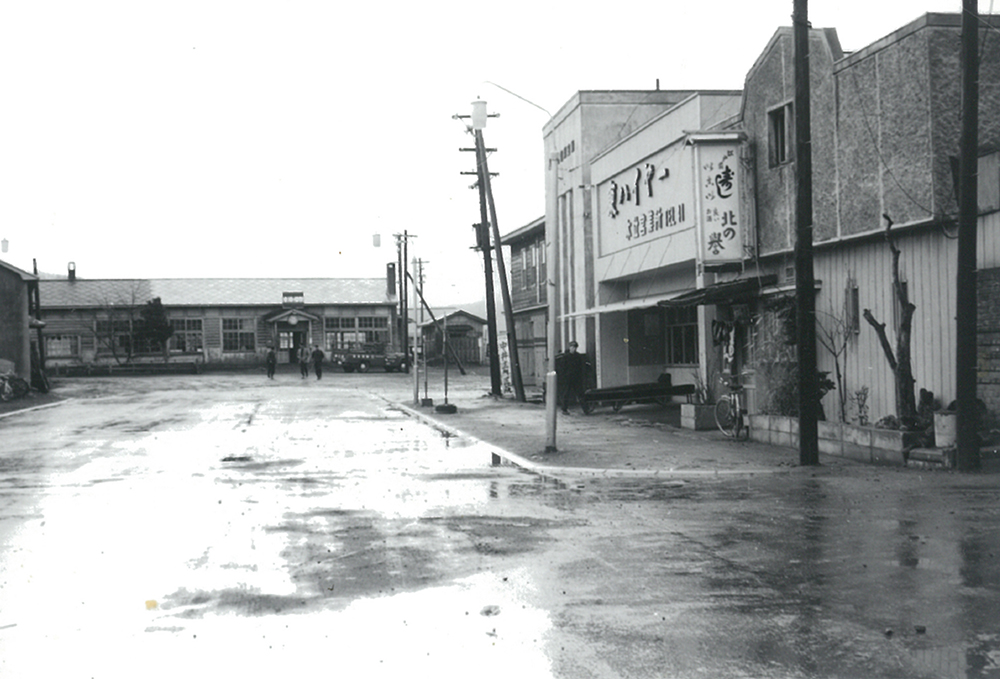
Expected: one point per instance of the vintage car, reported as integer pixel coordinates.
(368, 356)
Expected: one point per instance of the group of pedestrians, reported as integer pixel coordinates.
(316, 356)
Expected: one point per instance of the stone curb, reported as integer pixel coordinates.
(505, 457)
(34, 408)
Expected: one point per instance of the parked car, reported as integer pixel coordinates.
(365, 357)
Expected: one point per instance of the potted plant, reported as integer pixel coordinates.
(700, 413)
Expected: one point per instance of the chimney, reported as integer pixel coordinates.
(72, 271)
(390, 278)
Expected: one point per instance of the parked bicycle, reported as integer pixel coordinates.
(12, 386)
(730, 411)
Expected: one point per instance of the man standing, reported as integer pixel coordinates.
(317, 358)
(571, 367)
(272, 362)
(304, 361)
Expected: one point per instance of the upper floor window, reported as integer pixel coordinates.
(780, 128)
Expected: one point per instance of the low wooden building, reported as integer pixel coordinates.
(465, 337)
(214, 320)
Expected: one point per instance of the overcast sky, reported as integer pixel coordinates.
(273, 139)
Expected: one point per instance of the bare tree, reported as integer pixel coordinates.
(113, 320)
(834, 335)
(899, 362)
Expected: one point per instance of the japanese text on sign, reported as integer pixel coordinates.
(721, 223)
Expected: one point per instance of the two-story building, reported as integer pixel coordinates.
(528, 290)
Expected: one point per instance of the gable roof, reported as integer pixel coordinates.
(174, 292)
(23, 275)
(452, 316)
(530, 230)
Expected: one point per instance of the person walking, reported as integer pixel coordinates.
(272, 362)
(571, 367)
(317, 359)
(304, 360)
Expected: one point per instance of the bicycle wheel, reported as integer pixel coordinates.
(741, 431)
(19, 386)
(725, 415)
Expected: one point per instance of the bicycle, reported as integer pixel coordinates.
(730, 410)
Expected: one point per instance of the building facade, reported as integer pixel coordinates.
(16, 287)
(215, 321)
(675, 221)
(528, 297)
(465, 337)
(885, 133)
(629, 231)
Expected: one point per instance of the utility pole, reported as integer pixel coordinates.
(483, 243)
(402, 240)
(966, 321)
(515, 364)
(805, 285)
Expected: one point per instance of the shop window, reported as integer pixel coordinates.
(780, 124)
(682, 335)
(62, 346)
(238, 334)
(187, 337)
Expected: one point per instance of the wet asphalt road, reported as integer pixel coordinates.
(225, 524)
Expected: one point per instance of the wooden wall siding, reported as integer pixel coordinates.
(928, 265)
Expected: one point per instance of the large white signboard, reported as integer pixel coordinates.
(647, 201)
(721, 233)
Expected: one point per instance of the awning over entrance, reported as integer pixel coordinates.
(730, 292)
(291, 316)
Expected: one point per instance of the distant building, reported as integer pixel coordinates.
(16, 287)
(465, 337)
(215, 320)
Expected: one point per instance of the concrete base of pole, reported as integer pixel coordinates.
(551, 408)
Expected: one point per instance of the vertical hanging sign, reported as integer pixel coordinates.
(718, 190)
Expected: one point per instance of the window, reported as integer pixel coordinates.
(62, 345)
(337, 323)
(852, 310)
(238, 334)
(682, 335)
(114, 336)
(340, 332)
(373, 321)
(187, 335)
(376, 328)
(780, 126)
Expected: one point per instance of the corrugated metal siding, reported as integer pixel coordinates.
(928, 264)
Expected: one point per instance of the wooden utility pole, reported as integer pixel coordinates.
(805, 285)
(967, 420)
(483, 241)
(515, 364)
